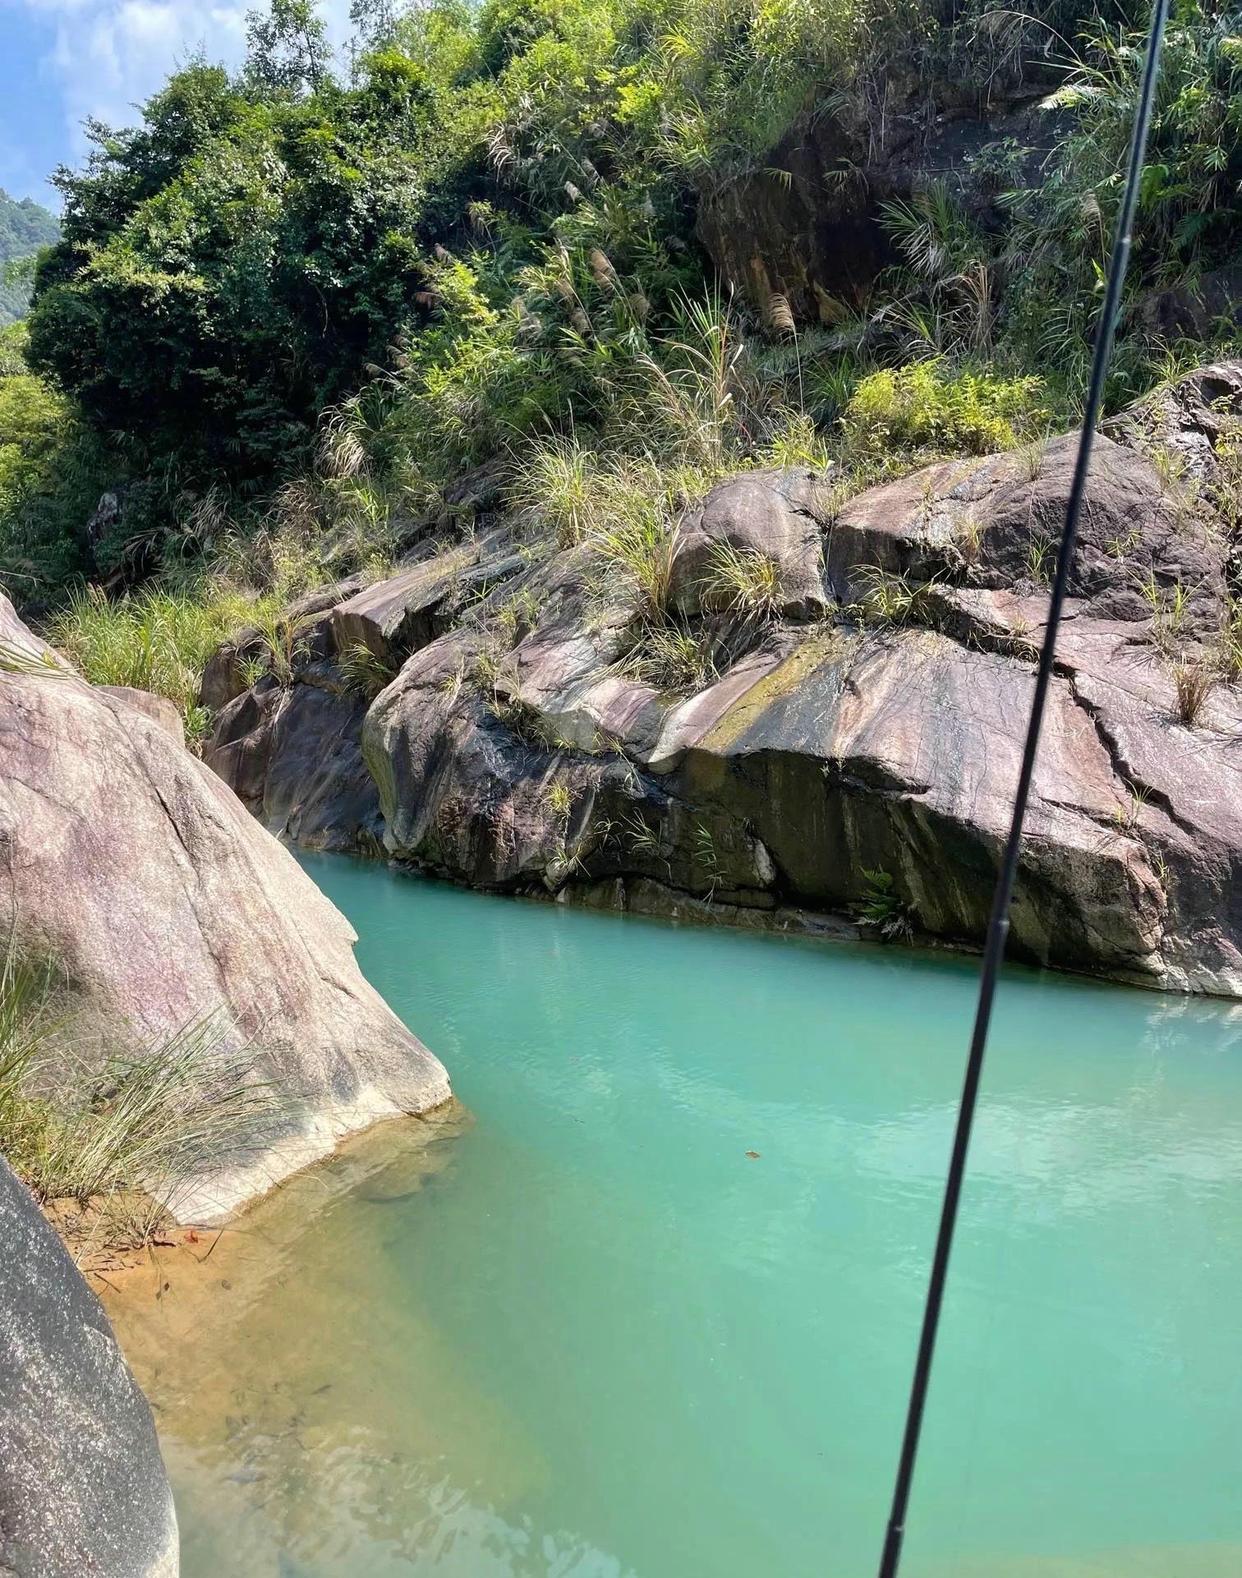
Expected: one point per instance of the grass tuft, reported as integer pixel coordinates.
(366, 673)
(672, 658)
(150, 1123)
(1192, 683)
(742, 581)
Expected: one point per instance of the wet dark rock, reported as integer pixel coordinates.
(82, 1485)
(292, 755)
(805, 222)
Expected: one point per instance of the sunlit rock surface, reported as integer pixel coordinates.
(131, 866)
(871, 724)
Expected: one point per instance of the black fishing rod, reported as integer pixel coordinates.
(998, 925)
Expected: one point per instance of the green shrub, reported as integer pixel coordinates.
(286, 290)
(929, 408)
(52, 471)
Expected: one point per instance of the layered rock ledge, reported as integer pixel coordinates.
(860, 734)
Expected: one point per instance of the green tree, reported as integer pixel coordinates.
(287, 47)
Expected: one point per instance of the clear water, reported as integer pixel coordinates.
(587, 1334)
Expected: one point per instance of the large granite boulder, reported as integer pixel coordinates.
(867, 729)
(1190, 425)
(994, 523)
(774, 518)
(82, 1486)
(132, 866)
(400, 612)
(158, 708)
(289, 744)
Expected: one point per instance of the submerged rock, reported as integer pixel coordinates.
(127, 862)
(862, 737)
(82, 1486)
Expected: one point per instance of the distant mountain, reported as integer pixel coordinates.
(24, 228)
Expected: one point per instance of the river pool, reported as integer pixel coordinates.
(647, 1309)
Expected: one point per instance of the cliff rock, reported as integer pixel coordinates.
(867, 729)
(130, 864)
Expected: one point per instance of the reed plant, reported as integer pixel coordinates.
(145, 1124)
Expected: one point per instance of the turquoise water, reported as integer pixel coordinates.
(590, 1335)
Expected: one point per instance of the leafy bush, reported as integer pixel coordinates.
(52, 470)
(289, 287)
(929, 407)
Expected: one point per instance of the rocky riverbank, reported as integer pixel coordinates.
(849, 744)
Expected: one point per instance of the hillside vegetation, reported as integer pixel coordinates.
(292, 308)
(25, 226)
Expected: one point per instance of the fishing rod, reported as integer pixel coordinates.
(998, 925)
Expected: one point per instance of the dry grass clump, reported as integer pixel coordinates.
(742, 581)
(672, 658)
(1192, 682)
(131, 1128)
(889, 599)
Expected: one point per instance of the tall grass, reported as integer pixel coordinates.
(743, 582)
(156, 640)
(147, 1124)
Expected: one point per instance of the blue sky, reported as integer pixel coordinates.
(62, 60)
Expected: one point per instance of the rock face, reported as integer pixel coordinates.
(82, 1485)
(291, 753)
(131, 865)
(806, 223)
(290, 749)
(158, 708)
(863, 735)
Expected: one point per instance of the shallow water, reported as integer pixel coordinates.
(584, 1333)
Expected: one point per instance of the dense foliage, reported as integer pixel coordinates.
(316, 292)
(25, 226)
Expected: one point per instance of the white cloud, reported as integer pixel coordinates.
(111, 55)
